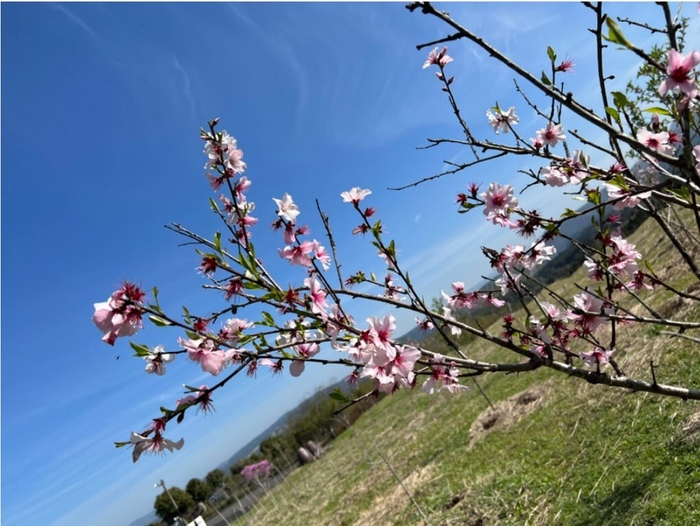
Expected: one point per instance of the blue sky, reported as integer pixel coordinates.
(101, 107)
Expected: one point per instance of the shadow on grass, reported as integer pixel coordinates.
(615, 508)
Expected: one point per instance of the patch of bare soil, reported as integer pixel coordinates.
(507, 412)
(384, 508)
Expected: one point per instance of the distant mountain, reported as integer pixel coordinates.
(146, 519)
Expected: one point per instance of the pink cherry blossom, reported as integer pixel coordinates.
(119, 316)
(203, 352)
(498, 200)
(625, 198)
(678, 71)
(355, 195)
(596, 357)
(502, 120)
(321, 255)
(655, 141)
(440, 58)
(317, 296)
(551, 134)
(298, 255)
(305, 350)
(157, 444)
(157, 360)
(286, 208)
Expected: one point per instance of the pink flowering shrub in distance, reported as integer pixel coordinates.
(648, 161)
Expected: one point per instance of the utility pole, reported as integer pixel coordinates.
(162, 483)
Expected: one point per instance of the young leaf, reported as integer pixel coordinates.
(158, 321)
(659, 111)
(615, 34)
(619, 99)
(551, 54)
(613, 113)
(141, 350)
(545, 79)
(338, 395)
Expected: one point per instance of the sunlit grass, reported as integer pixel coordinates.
(555, 450)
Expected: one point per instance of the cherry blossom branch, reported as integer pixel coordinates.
(566, 100)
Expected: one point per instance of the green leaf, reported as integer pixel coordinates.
(166, 411)
(213, 205)
(683, 192)
(615, 34)
(121, 444)
(649, 268)
(545, 79)
(551, 54)
(619, 99)
(141, 350)
(217, 241)
(158, 321)
(269, 320)
(613, 113)
(251, 285)
(338, 395)
(659, 111)
(569, 213)
(192, 335)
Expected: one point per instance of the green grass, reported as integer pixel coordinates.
(570, 453)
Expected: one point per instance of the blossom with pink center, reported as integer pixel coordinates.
(157, 444)
(502, 120)
(286, 208)
(443, 377)
(498, 200)
(276, 366)
(317, 296)
(405, 360)
(157, 360)
(118, 316)
(656, 141)
(591, 307)
(425, 324)
(551, 134)
(596, 357)
(595, 271)
(567, 66)
(232, 331)
(381, 329)
(539, 253)
(298, 255)
(553, 176)
(638, 283)
(355, 195)
(321, 255)
(460, 299)
(624, 258)
(440, 58)
(203, 352)
(305, 350)
(678, 70)
(625, 198)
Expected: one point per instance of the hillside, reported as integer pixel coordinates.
(554, 450)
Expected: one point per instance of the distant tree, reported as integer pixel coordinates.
(164, 508)
(214, 479)
(199, 490)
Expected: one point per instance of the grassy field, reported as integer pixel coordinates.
(553, 450)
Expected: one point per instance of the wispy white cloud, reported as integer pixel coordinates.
(75, 18)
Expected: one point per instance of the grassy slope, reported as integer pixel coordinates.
(566, 452)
